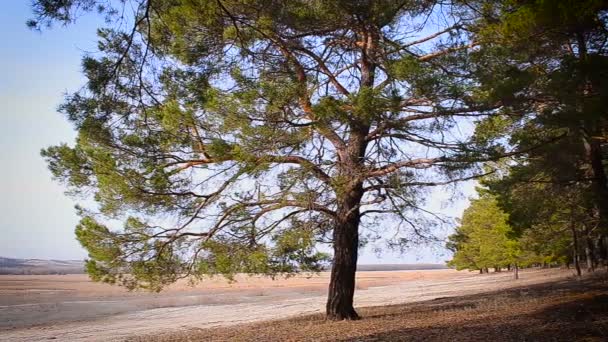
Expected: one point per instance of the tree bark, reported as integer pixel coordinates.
(589, 259)
(516, 272)
(589, 251)
(575, 249)
(346, 244)
(602, 249)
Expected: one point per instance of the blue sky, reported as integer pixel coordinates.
(36, 68)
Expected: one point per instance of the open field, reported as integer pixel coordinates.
(69, 307)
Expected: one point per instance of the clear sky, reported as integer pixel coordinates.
(36, 69)
(36, 219)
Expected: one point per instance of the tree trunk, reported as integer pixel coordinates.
(602, 249)
(342, 281)
(605, 247)
(575, 250)
(346, 244)
(599, 181)
(589, 259)
(589, 252)
(516, 272)
(593, 146)
(577, 265)
(593, 150)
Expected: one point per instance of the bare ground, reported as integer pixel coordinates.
(562, 310)
(37, 308)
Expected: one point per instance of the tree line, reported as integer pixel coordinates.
(485, 240)
(548, 205)
(239, 135)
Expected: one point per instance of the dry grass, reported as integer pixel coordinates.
(571, 310)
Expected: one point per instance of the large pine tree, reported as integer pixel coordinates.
(235, 135)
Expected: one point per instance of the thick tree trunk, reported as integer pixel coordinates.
(346, 244)
(342, 281)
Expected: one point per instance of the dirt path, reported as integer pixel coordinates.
(254, 301)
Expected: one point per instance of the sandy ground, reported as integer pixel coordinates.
(573, 309)
(71, 308)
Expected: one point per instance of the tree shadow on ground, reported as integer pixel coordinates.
(583, 318)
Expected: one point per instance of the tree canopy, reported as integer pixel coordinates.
(231, 136)
(235, 135)
(546, 62)
(484, 238)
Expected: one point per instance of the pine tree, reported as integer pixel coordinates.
(482, 240)
(546, 62)
(235, 135)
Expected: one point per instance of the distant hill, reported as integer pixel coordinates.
(396, 267)
(401, 267)
(39, 266)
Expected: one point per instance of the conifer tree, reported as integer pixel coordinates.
(546, 62)
(482, 240)
(235, 135)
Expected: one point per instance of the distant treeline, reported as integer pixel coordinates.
(542, 67)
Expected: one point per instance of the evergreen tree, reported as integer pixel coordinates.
(546, 62)
(234, 135)
(482, 240)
